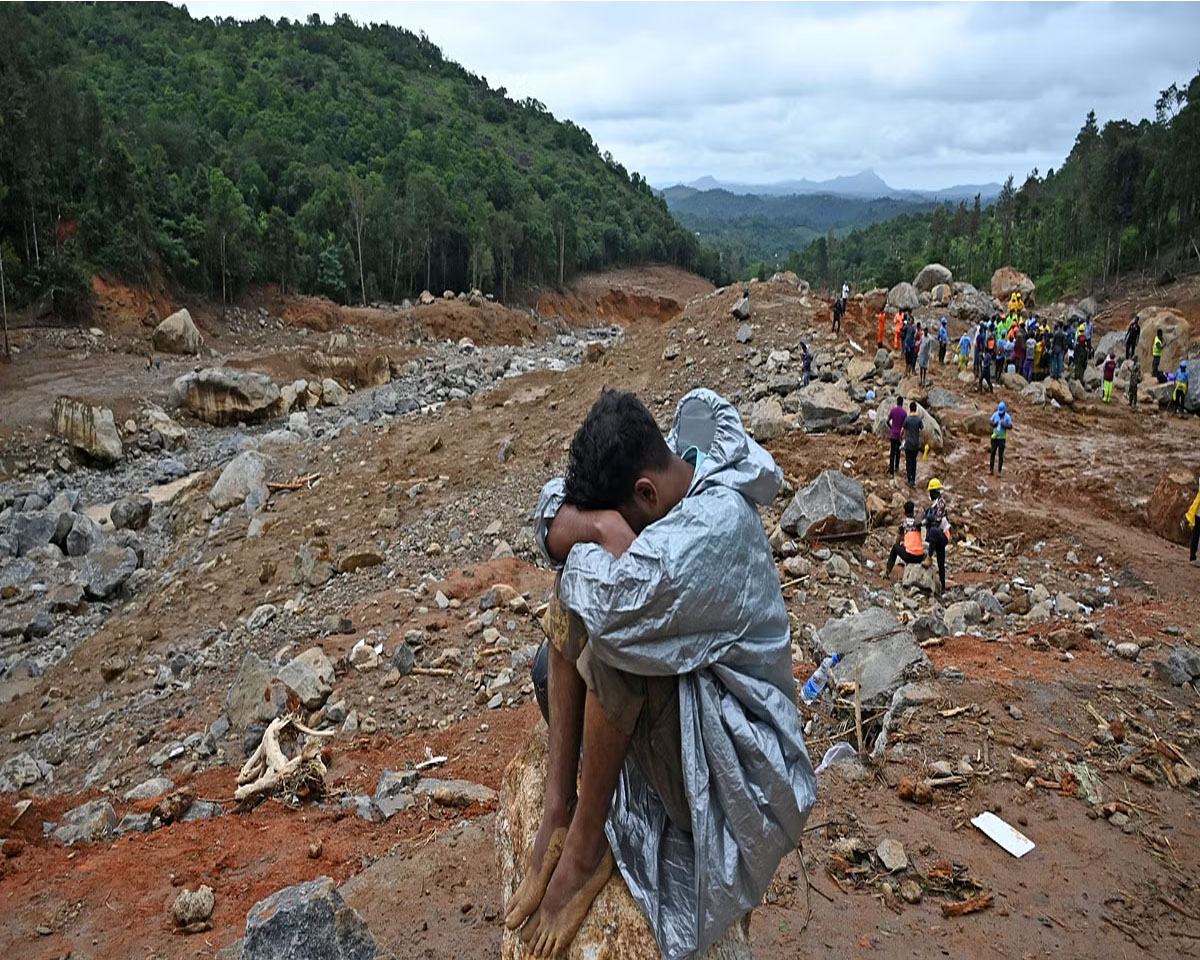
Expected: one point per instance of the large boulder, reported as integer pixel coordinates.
(93, 821)
(310, 676)
(84, 536)
(177, 334)
(833, 505)
(157, 421)
(1059, 390)
(824, 406)
(243, 476)
(132, 512)
(1168, 505)
(255, 696)
(1006, 280)
(941, 294)
(903, 296)
(305, 921)
(40, 527)
(931, 430)
(104, 571)
(939, 398)
(971, 305)
(877, 642)
(220, 395)
(767, 421)
(1176, 333)
(932, 275)
(90, 430)
(1114, 342)
(615, 927)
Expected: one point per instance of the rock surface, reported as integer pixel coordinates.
(307, 921)
(825, 406)
(91, 430)
(875, 640)
(220, 395)
(615, 927)
(178, 334)
(833, 505)
(932, 275)
(245, 475)
(93, 821)
(903, 296)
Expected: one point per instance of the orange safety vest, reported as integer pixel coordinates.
(899, 328)
(882, 325)
(912, 542)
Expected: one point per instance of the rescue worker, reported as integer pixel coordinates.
(1110, 371)
(897, 331)
(1132, 335)
(1135, 378)
(1179, 394)
(964, 351)
(943, 337)
(1001, 424)
(937, 527)
(908, 546)
(1156, 356)
(882, 326)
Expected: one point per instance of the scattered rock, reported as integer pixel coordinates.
(105, 571)
(454, 793)
(149, 789)
(313, 566)
(310, 676)
(1022, 767)
(357, 560)
(932, 275)
(395, 792)
(745, 333)
(262, 615)
(891, 854)
(243, 476)
(903, 296)
(131, 513)
(193, 907)
(91, 822)
(84, 536)
(767, 421)
(1128, 650)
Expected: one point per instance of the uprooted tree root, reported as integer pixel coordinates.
(269, 770)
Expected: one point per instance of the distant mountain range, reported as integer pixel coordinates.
(864, 185)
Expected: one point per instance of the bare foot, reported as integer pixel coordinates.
(575, 884)
(539, 867)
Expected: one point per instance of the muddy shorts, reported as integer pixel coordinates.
(644, 708)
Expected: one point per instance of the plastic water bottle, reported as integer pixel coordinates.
(816, 683)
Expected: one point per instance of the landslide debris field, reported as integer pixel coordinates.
(361, 564)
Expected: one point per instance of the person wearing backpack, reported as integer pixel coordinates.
(1001, 424)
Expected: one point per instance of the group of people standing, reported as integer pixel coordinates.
(914, 341)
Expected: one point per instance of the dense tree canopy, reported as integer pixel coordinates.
(349, 160)
(1127, 197)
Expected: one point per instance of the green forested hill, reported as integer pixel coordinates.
(752, 228)
(348, 160)
(1126, 198)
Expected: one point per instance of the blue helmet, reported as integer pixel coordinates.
(1002, 407)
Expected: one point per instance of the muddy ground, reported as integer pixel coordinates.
(1069, 512)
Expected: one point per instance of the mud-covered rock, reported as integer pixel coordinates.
(91, 822)
(1169, 504)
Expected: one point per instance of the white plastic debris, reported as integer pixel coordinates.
(1007, 836)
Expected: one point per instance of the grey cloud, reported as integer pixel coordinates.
(923, 93)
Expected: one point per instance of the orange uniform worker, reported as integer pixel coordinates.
(898, 330)
(882, 325)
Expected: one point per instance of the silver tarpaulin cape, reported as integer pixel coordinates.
(697, 595)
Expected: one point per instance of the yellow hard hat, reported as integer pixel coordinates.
(935, 484)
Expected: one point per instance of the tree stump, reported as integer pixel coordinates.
(615, 927)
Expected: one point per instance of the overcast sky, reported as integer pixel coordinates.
(927, 95)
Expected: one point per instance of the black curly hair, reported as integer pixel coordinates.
(617, 443)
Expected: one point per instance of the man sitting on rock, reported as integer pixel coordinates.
(670, 666)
